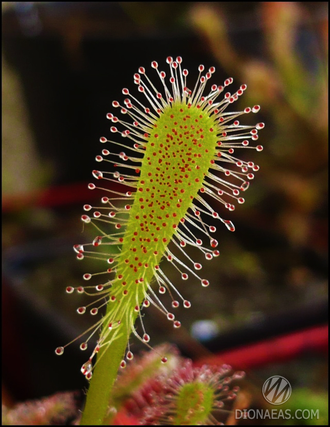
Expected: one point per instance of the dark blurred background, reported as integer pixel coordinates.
(63, 64)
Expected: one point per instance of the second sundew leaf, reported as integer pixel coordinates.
(194, 404)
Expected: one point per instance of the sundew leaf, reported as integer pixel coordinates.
(178, 156)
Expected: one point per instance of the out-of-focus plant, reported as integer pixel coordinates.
(54, 410)
(290, 81)
(314, 403)
(148, 393)
(166, 396)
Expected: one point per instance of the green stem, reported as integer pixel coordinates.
(104, 376)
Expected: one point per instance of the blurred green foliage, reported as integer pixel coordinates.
(315, 403)
(290, 82)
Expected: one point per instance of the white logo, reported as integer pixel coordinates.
(276, 390)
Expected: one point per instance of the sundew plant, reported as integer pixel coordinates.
(176, 164)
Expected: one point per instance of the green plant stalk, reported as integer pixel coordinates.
(99, 397)
(100, 390)
(98, 402)
(99, 393)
